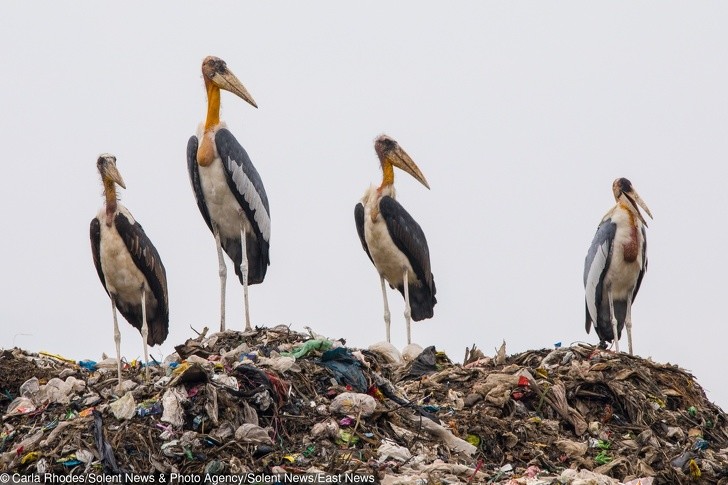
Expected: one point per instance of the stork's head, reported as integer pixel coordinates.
(215, 71)
(389, 152)
(107, 168)
(623, 188)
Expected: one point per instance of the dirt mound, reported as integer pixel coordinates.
(278, 402)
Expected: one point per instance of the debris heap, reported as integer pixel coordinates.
(279, 402)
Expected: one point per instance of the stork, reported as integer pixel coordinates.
(615, 265)
(228, 189)
(128, 266)
(393, 240)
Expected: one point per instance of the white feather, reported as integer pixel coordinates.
(123, 277)
(388, 259)
(224, 209)
(595, 271)
(622, 276)
(251, 196)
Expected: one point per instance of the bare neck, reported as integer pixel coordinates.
(387, 175)
(213, 105)
(111, 200)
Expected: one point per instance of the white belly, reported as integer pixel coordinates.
(225, 212)
(389, 260)
(622, 276)
(122, 276)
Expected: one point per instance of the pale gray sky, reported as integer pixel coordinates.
(520, 115)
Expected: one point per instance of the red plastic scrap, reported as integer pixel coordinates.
(477, 468)
(596, 352)
(608, 413)
(523, 381)
(195, 390)
(375, 393)
(280, 386)
(39, 410)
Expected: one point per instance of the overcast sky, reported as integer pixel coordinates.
(520, 115)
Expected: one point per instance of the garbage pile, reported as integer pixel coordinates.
(280, 402)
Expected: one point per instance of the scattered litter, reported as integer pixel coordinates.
(124, 408)
(276, 400)
(251, 433)
(387, 351)
(20, 405)
(173, 412)
(388, 449)
(411, 352)
(345, 367)
(356, 404)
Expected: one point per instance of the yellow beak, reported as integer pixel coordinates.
(113, 174)
(229, 82)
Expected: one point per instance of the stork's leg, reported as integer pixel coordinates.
(387, 319)
(117, 340)
(223, 277)
(628, 323)
(244, 272)
(407, 310)
(614, 320)
(145, 333)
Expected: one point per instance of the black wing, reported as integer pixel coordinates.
(146, 258)
(644, 264)
(247, 187)
(596, 265)
(194, 171)
(244, 182)
(359, 219)
(96, 249)
(409, 238)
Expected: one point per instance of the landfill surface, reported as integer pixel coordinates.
(277, 406)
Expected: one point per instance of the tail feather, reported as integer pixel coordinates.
(157, 320)
(604, 325)
(257, 258)
(422, 301)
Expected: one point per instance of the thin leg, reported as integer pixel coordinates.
(117, 339)
(223, 278)
(614, 321)
(244, 271)
(145, 333)
(387, 319)
(407, 310)
(628, 323)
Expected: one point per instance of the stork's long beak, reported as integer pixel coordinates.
(229, 82)
(636, 200)
(400, 159)
(113, 173)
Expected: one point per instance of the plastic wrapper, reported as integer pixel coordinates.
(124, 407)
(173, 412)
(355, 404)
(388, 449)
(250, 433)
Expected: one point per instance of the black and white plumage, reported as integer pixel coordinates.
(393, 240)
(615, 265)
(228, 189)
(224, 189)
(128, 266)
